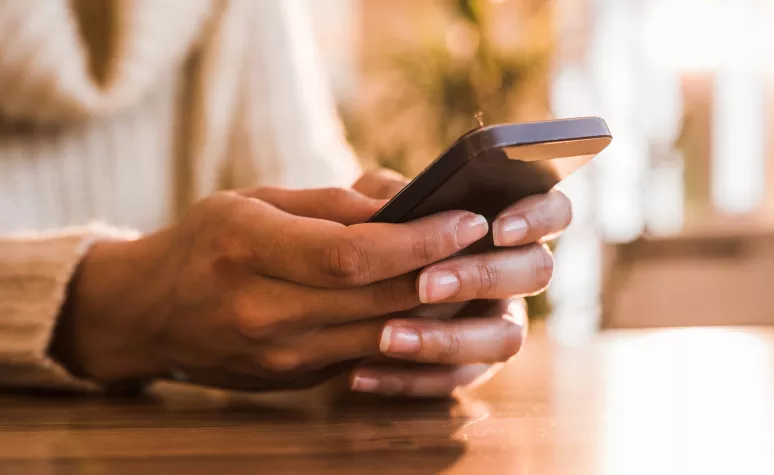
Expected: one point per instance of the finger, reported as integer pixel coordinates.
(533, 219)
(381, 183)
(326, 254)
(495, 275)
(320, 349)
(514, 310)
(492, 339)
(297, 308)
(329, 345)
(476, 340)
(438, 311)
(310, 307)
(515, 306)
(423, 382)
(447, 310)
(341, 205)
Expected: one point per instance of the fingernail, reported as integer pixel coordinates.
(436, 286)
(510, 230)
(470, 229)
(399, 340)
(365, 384)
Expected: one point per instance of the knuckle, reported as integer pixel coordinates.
(215, 202)
(429, 247)
(450, 346)
(347, 261)
(380, 183)
(249, 319)
(228, 238)
(226, 243)
(281, 362)
(337, 196)
(487, 277)
(262, 191)
(542, 266)
(241, 308)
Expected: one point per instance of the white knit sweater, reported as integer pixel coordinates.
(124, 112)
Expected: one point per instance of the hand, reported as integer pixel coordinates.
(272, 289)
(469, 350)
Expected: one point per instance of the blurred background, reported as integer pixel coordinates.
(674, 223)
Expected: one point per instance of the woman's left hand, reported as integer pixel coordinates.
(484, 334)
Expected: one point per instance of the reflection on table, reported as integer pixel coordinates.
(663, 401)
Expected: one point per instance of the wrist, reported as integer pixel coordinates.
(105, 332)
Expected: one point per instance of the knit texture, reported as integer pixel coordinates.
(125, 112)
(34, 273)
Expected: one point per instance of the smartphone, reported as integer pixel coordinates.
(490, 168)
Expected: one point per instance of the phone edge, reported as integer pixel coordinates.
(479, 140)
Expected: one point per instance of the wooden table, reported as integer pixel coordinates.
(694, 401)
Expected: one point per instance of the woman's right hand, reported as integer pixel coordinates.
(266, 289)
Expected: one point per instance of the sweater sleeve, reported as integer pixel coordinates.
(35, 271)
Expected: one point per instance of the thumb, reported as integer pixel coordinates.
(341, 205)
(381, 183)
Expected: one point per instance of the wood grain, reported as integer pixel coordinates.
(626, 402)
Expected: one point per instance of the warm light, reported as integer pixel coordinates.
(739, 113)
(727, 37)
(665, 199)
(462, 40)
(686, 34)
(693, 400)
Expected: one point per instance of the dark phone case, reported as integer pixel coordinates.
(475, 174)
